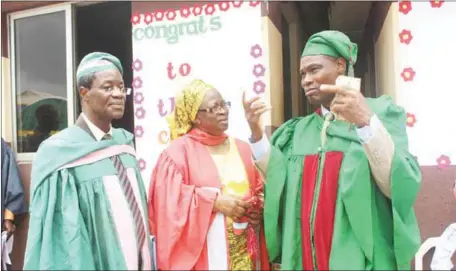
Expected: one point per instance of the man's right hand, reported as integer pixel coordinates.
(253, 112)
(230, 206)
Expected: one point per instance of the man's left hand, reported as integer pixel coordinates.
(255, 217)
(350, 104)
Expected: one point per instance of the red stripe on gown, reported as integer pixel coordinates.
(324, 219)
(309, 178)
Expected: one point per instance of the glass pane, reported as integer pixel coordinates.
(41, 85)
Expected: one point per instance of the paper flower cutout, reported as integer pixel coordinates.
(256, 51)
(139, 131)
(254, 3)
(411, 120)
(171, 14)
(443, 161)
(139, 97)
(237, 4)
(135, 18)
(184, 11)
(209, 9)
(224, 6)
(258, 70)
(140, 113)
(159, 14)
(259, 87)
(137, 82)
(141, 164)
(436, 3)
(405, 36)
(148, 18)
(405, 7)
(197, 10)
(137, 65)
(408, 74)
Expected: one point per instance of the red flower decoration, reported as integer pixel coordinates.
(258, 70)
(256, 51)
(411, 120)
(405, 36)
(436, 3)
(140, 113)
(254, 3)
(135, 18)
(171, 14)
(224, 6)
(159, 14)
(137, 65)
(405, 7)
(137, 82)
(197, 10)
(148, 17)
(408, 74)
(184, 11)
(139, 97)
(443, 161)
(209, 9)
(237, 4)
(141, 164)
(259, 87)
(139, 131)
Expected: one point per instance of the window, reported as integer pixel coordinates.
(41, 75)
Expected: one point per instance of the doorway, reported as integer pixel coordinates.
(106, 27)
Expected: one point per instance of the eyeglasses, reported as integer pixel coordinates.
(216, 108)
(123, 90)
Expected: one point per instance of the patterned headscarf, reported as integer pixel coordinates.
(187, 104)
(97, 62)
(335, 44)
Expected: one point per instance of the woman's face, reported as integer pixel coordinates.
(213, 113)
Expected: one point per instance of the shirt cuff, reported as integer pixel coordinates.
(367, 132)
(8, 215)
(260, 148)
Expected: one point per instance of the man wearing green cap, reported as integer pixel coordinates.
(88, 203)
(339, 194)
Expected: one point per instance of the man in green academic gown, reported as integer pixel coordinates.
(339, 194)
(88, 203)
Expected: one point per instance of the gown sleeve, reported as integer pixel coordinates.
(180, 215)
(57, 236)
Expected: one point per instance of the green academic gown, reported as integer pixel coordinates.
(323, 209)
(79, 216)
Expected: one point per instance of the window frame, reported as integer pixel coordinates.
(70, 81)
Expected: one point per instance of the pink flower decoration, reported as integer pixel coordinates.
(139, 131)
(197, 10)
(148, 18)
(256, 51)
(436, 3)
(140, 112)
(135, 18)
(224, 6)
(443, 161)
(141, 164)
(159, 14)
(137, 82)
(237, 4)
(139, 97)
(171, 14)
(210, 9)
(411, 120)
(184, 11)
(405, 7)
(405, 36)
(408, 74)
(258, 70)
(259, 87)
(137, 65)
(254, 3)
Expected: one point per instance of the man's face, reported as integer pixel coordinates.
(106, 97)
(318, 70)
